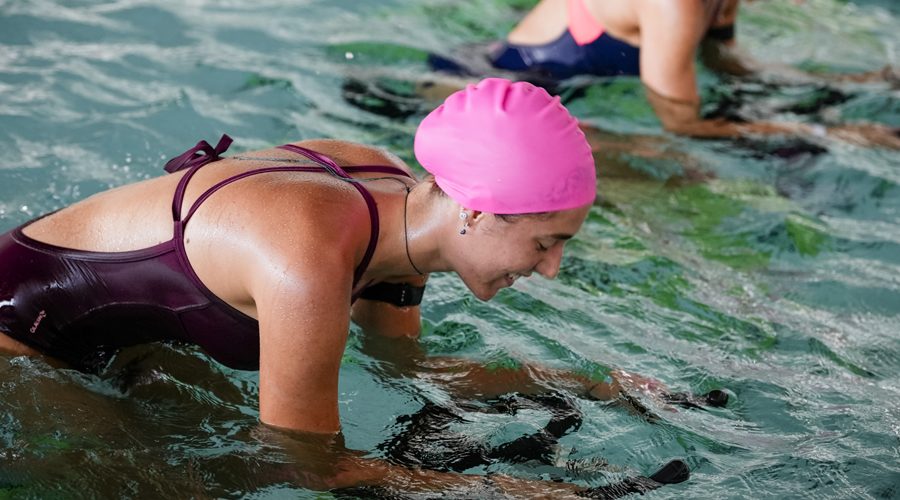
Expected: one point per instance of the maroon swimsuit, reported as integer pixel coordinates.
(76, 305)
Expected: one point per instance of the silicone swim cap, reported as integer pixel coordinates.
(507, 148)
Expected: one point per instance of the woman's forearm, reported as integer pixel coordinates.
(322, 462)
(369, 472)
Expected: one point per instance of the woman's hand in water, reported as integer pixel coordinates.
(620, 381)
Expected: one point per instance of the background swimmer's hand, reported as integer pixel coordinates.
(890, 75)
(867, 134)
(887, 74)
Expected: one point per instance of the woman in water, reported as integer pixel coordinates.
(262, 259)
(658, 41)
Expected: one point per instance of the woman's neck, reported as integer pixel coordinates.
(409, 241)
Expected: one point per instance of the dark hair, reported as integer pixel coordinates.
(508, 218)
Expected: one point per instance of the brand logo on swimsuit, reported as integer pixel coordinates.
(37, 321)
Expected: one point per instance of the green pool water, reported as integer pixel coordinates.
(762, 267)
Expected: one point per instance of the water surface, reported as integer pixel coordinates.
(771, 268)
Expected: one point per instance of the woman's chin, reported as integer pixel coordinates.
(482, 290)
(484, 293)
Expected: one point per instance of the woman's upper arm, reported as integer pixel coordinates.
(304, 322)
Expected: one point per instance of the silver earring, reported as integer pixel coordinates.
(463, 216)
(464, 228)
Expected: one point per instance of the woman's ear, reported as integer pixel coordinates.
(469, 219)
(475, 218)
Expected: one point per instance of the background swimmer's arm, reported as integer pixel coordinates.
(731, 59)
(676, 117)
(718, 49)
(388, 320)
(726, 56)
(682, 117)
(670, 32)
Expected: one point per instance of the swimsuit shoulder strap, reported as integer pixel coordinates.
(320, 158)
(193, 159)
(338, 171)
(583, 26)
(203, 154)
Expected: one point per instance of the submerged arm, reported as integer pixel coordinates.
(670, 33)
(726, 56)
(322, 462)
(392, 335)
(303, 310)
(475, 380)
(393, 314)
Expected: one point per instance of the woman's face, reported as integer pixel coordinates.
(494, 253)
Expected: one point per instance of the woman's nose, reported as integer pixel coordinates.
(548, 267)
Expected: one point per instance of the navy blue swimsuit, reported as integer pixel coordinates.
(564, 58)
(588, 50)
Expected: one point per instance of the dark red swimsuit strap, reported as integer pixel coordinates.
(219, 185)
(324, 160)
(202, 154)
(336, 169)
(193, 159)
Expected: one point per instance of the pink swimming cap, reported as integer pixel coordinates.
(507, 148)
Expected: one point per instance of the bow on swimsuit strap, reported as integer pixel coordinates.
(201, 154)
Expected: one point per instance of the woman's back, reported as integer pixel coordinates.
(137, 269)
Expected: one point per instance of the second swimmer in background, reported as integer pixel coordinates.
(657, 40)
